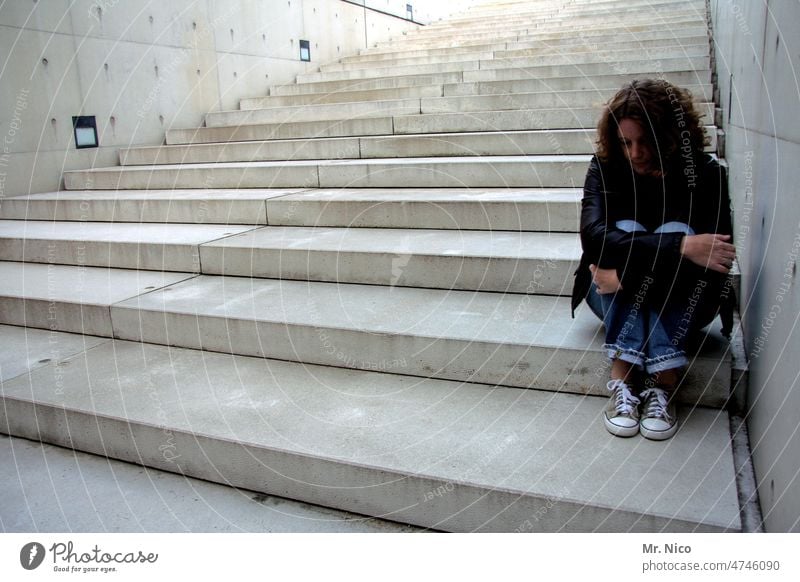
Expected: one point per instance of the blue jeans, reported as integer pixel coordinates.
(651, 339)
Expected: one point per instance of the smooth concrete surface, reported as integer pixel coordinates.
(756, 50)
(474, 70)
(454, 172)
(25, 349)
(411, 146)
(310, 129)
(504, 59)
(470, 260)
(321, 112)
(437, 454)
(342, 97)
(412, 80)
(471, 209)
(700, 87)
(224, 175)
(72, 299)
(528, 119)
(140, 68)
(648, 67)
(305, 149)
(494, 338)
(154, 247)
(48, 488)
(164, 206)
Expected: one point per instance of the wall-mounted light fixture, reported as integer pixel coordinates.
(85, 128)
(305, 50)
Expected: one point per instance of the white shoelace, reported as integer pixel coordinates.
(656, 407)
(624, 401)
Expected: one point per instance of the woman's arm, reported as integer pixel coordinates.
(611, 248)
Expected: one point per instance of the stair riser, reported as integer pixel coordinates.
(402, 270)
(571, 27)
(536, 69)
(599, 40)
(149, 257)
(168, 210)
(520, 214)
(202, 178)
(549, 217)
(587, 81)
(342, 97)
(528, 58)
(420, 500)
(314, 129)
(338, 111)
(697, 81)
(376, 175)
(450, 359)
(390, 147)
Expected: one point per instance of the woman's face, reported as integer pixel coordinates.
(635, 147)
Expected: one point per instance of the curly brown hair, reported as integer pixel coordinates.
(667, 116)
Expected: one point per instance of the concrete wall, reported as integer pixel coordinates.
(143, 66)
(758, 60)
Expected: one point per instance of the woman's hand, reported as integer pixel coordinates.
(606, 280)
(711, 251)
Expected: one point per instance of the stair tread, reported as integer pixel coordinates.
(393, 434)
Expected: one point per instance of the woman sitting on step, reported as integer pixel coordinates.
(656, 236)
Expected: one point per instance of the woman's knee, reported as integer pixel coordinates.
(675, 226)
(630, 226)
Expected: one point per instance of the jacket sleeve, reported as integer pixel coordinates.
(631, 253)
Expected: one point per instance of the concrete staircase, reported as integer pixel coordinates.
(353, 291)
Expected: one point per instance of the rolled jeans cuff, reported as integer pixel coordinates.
(666, 362)
(617, 352)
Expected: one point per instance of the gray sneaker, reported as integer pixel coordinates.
(621, 415)
(659, 419)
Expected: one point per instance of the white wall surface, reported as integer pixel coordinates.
(758, 66)
(143, 66)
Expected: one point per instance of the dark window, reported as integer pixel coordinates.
(85, 128)
(305, 50)
(409, 12)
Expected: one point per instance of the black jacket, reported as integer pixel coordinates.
(694, 191)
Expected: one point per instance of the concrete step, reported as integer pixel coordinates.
(468, 260)
(471, 260)
(71, 299)
(699, 82)
(517, 101)
(159, 206)
(573, 54)
(494, 338)
(342, 97)
(405, 146)
(321, 112)
(550, 83)
(488, 102)
(517, 340)
(554, 210)
(438, 454)
(150, 247)
(638, 68)
(308, 129)
(462, 172)
(534, 68)
(598, 38)
(555, 28)
(367, 84)
(561, 118)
